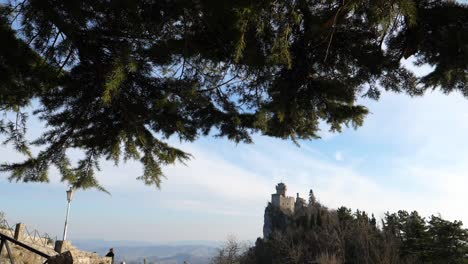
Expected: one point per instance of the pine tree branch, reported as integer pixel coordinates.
(53, 43)
(333, 30)
(18, 13)
(219, 85)
(66, 60)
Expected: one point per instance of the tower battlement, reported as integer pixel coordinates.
(289, 204)
(281, 200)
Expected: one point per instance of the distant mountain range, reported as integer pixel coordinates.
(194, 252)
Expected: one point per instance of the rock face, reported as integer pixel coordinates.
(63, 258)
(275, 219)
(267, 223)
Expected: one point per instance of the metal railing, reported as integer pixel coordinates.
(23, 238)
(5, 242)
(42, 239)
(29, 236)
(6, 228)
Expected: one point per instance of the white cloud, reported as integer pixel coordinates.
(207, 173)
(339, 156)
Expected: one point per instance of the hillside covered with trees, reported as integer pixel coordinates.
(327, 236)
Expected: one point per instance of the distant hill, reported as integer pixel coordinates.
(178, 259)
(136, 251)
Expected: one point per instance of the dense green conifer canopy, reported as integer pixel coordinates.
(116, 78)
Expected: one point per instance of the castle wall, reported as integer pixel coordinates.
(275, 200)
(287, 203)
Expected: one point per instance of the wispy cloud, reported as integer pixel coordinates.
(339, 156)
(408, 155)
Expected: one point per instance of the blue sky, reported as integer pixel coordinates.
(410, 154)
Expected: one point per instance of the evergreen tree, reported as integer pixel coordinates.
(413, 235)
(312, 199)
(373, 221)
(448, 241)
(404, 238)
(116, 79)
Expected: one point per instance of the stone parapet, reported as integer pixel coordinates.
(78, 257)
(63, 245)
(20, 232)
(62, 252)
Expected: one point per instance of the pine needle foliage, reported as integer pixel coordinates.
(117, 78)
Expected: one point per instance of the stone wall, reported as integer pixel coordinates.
(21, 256)
(63, 254)
(285, 203)
(78, 256)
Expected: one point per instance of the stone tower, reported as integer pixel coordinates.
(281, 189)
(280, 200)
(300, 203)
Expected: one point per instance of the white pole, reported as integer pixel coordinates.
(66, 223)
